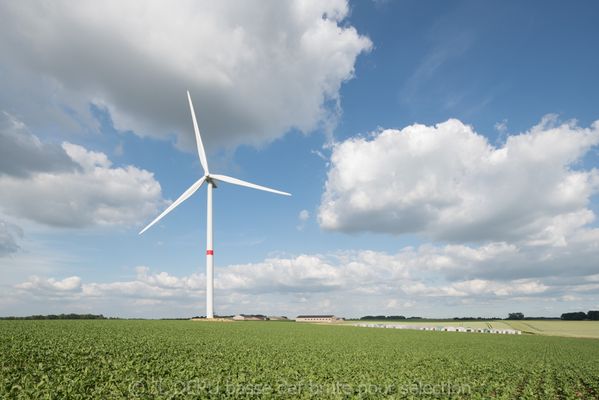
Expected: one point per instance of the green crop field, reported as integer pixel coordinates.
(191, 360)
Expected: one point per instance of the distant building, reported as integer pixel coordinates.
(250, 317)
(317, 318)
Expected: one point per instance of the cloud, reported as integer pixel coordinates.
(501, 126)
(37, 284)
(89, 194)
(478, 287)
(160, 286)
(428, 280)
(9, 237)
(447, 47)
(448, 182)
(255, 69)
(303, 217)
(304, 273)
(22, 153)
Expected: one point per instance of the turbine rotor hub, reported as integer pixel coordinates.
(211, 180)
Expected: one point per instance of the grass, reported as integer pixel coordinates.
(185, 359)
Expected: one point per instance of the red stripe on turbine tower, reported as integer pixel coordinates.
(209, 252)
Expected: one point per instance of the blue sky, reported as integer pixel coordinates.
(441, 155)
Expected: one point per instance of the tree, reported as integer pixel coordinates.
(395, 317)
(516, 315)
(574, 316)
(593, 315)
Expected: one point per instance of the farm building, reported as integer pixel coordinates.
(316, 318)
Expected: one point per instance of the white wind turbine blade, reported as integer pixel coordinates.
(191, 190)
(201, 152)
(239, 182)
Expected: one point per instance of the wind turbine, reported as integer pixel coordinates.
(211, 180)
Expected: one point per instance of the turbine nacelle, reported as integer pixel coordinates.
(210, 179)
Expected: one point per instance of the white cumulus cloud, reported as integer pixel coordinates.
(448, 182)
(93, 192)
(255, 68)
(37, 284)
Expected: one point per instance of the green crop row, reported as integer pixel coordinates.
(190, 360)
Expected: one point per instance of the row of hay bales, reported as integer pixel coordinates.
(444, 328)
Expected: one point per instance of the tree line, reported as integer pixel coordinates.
(59, 316)
(386, 317)
(572, 316)
(581, 316)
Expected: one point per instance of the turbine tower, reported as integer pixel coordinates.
(211, 180)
